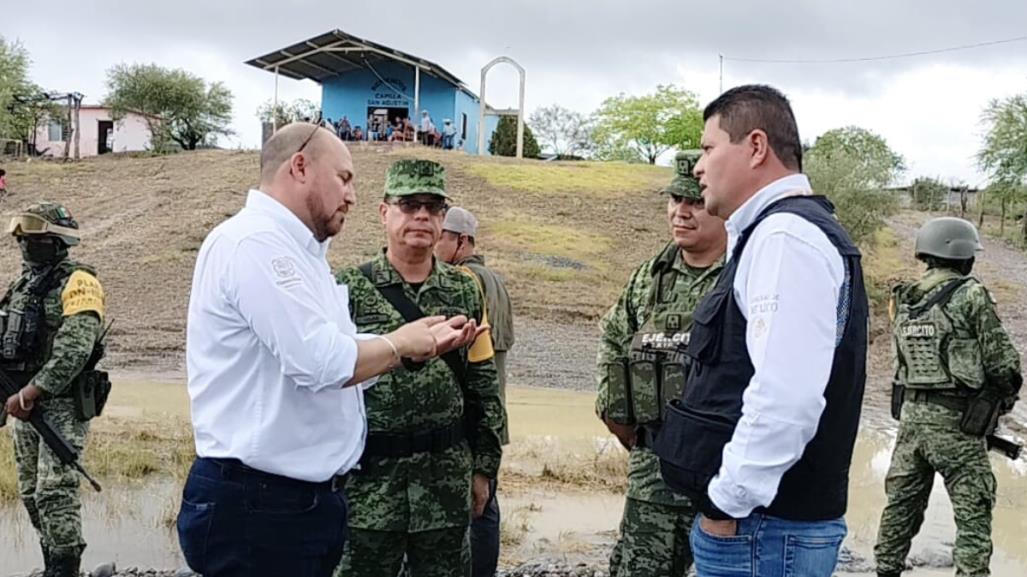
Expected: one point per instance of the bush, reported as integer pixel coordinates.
(861, 206)
(928, 194)
(504, 139)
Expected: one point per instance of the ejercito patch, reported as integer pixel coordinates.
(83, 293)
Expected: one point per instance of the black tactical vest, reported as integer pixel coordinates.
(697, 428)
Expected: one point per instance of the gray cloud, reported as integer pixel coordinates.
(576, 52)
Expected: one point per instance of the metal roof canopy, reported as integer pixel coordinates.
(333, 53)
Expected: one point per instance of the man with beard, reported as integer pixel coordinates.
(641, 365)
(274, 361)
(433, 446)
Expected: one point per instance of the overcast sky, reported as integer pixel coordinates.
(578, 52)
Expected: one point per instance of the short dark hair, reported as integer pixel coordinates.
(743, 109)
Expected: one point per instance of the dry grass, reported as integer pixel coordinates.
(886, 263)
(8, 473)
(144, 218)
(514, 527)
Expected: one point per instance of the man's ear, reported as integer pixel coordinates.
(759, 142)
(299, 166)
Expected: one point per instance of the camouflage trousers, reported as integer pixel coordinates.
(438, 553)
(930, 441)
(49, 489)
(653, 541)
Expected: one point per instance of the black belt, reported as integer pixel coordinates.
(954, 402)
(400, 445)
(235, 470)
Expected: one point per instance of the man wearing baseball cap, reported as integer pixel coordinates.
(457, 246)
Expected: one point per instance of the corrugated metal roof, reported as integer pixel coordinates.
(333, 53)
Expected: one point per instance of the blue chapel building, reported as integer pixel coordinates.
(370, 84)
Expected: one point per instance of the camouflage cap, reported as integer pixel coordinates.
(409, 177)
(684, 184)
(59, 222)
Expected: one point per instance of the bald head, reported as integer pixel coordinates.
(286, 141)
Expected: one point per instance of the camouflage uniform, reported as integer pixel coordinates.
(930, 439)
(73, 307)
(655, 528)
(420, 505)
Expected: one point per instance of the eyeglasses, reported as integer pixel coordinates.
(28, 223)
(697, 202)
(307, 141)
(435, 206)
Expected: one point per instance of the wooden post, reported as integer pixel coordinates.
(67, 138)
(78, 106)
(417, 104)
(274, 106)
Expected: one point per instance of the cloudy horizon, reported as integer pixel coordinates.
(578, 53)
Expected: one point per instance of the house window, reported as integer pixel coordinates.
(56, 132)
(463, 126)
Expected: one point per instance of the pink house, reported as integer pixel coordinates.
(99, 134)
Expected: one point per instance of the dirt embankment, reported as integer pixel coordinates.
(565, 235)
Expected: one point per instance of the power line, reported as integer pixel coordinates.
(875, 58)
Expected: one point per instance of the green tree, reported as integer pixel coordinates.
(852, 166)
(178, 105)
(879, 164)
(1003, 154)
(504, 139)
(647, 126)
(298, 110)
(928, 193)
(23, 104)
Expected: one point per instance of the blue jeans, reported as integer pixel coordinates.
(237, 521)
(769, 547)
(485, 538)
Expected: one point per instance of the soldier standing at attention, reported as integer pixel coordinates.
(641, 365)
(956, 371)
(52, 318)
(433, 444)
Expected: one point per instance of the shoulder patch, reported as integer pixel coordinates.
(83, 293)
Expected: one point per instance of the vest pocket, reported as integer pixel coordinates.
(690, 446)
(965, 363)
(704, 341)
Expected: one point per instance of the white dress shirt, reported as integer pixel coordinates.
(269, 344)
(787, 285)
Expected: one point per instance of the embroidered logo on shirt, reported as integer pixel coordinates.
(285, 270)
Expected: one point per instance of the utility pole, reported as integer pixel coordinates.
(721, 73)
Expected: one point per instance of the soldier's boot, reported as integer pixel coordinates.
(48, 564)
(67, 565)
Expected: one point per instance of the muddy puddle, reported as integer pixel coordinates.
(554, 438)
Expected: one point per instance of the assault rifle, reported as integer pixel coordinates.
(39, 421)
(1004, 446)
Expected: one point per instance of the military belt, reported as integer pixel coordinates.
(950, 401)
(400, 445)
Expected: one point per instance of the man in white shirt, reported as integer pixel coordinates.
(275, 367)
(763, 435)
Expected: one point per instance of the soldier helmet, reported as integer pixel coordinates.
(410, 177)
(46, 218)
(949, 238)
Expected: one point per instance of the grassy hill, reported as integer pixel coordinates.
(566, 235)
